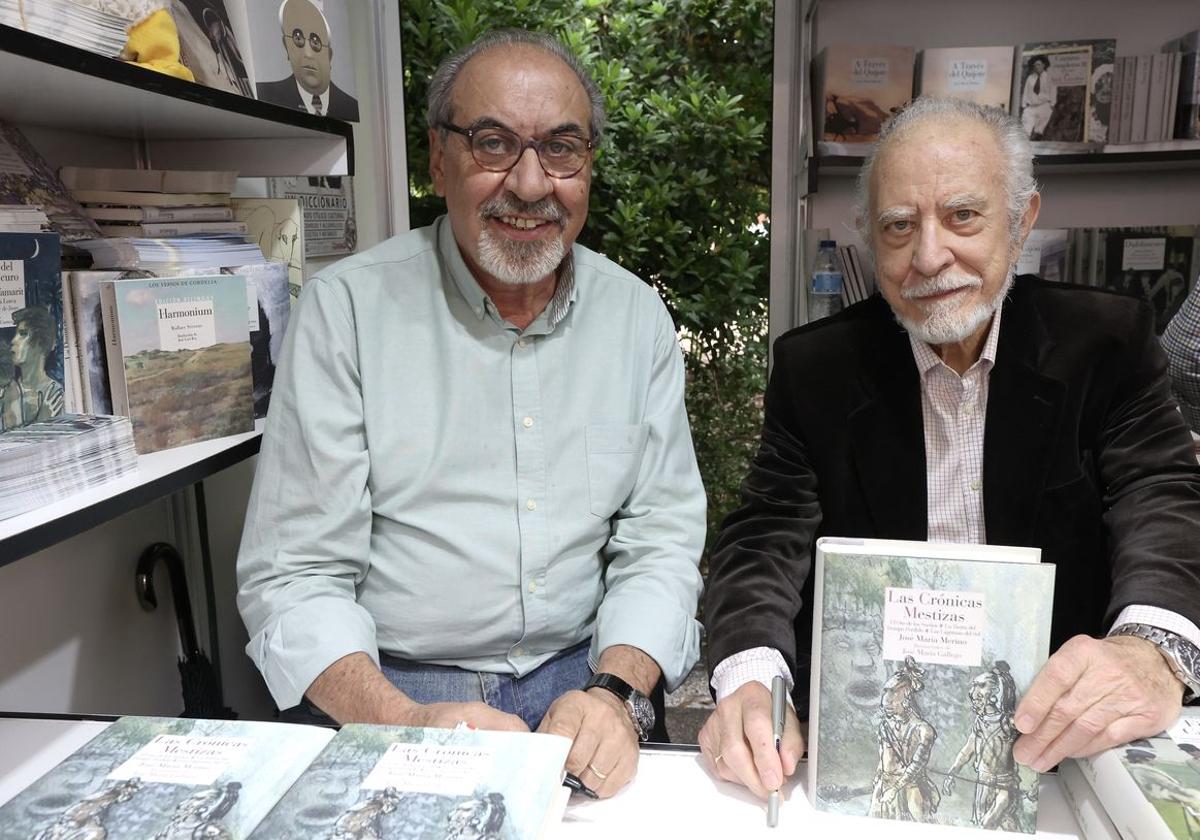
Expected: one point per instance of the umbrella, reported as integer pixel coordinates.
(201, 689)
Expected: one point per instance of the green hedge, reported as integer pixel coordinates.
(680, 194)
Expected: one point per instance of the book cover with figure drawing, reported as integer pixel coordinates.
(1063, 93)
(32, 363)
(920, 654)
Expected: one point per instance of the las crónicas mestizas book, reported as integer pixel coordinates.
(1151, 787)
(920, 654)
(178, 779)
(179, 357)
(31, 329)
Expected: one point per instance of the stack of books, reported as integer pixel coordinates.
(1145, 790)
(22, 218)
(154, 202)
(47, 461)
(66, 21)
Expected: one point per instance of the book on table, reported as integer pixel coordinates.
(1150, 787)
(920, 653)
(177, 778)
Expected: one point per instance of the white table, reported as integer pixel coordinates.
(673, 796)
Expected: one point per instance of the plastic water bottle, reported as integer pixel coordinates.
(825, 289)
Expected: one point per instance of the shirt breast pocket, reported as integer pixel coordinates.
(614, 456)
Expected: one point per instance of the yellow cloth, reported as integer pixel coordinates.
(154, 43)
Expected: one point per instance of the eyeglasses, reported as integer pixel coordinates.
(314, 40)
(498, 150)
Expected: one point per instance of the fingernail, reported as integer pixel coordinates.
(1024, 722)
(771, 781)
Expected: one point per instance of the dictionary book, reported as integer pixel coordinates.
(921, 652)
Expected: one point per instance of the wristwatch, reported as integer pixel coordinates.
(1182, 656)
(641, 710)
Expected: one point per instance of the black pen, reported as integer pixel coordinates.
(572, 781)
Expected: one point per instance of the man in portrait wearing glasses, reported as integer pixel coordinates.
(477, 498)
(308, 44)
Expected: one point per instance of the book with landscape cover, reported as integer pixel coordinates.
(978, 74)
(269, 308)
(1151, 787)
(1062, 90)
(920, 653)
(858, 86)
(26, 178)
(179, 357)
(178, 778)
(32, 365)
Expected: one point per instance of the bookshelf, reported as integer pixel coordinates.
(57, 86)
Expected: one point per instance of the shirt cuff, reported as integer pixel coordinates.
(760, 664)
(1158, 617)
(646, 623)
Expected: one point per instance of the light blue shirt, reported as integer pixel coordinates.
(438, 484)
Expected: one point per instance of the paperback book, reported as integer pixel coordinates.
(32, 365)
(977, 74)
(1154, 265)
(920, 653)
(179, 778)
(277, 225)
(1063, 90)
(209, 45)
(26, 178)
(858, 86)
(179, 357)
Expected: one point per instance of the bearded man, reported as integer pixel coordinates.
(966, 405)
(477, 498)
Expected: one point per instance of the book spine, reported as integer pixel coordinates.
(1128, 86)
(1157, 96)
(191, 228)
(1187, 125)
(72, 376)
(1141, 100)
(1114, 111)
(1172, 97)
(1133, 815)
(187, 214)
(1090, 815)
(112, 345)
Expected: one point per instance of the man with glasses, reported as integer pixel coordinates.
(306, 40)
(477, 498)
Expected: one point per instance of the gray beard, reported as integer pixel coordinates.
(519, 263)
(947, 325)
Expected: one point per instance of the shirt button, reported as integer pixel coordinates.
(518, 651)
(532, 586)
(968, 409)
(530, 504)
(975, 484)
(521, 342)
(527, 422)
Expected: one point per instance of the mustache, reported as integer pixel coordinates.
(547, 208)
(946, 281)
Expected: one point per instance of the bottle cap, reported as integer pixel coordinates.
(828, 243)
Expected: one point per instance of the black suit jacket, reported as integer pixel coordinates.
(341, 105)
(1085, 456)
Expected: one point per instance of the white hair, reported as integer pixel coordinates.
(1016, 154)
(316, 4)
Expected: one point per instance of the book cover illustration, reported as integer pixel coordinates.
(166, 778)
(1064, 92)
(1155, 266)
(977, 74)
(185, 346)
(858, 87)
(921, 663)
(277, 225)
(425, 784)
(208, 46)
(31, 329)
(1166, 769)
(269, 305)
(26, 178)
(327, 207)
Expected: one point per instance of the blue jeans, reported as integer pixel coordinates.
(527, 697)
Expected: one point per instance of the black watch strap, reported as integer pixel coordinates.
(638, 705)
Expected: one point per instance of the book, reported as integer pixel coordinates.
(1046, 253)
(920, 652)
(114, 213)
(1085, 805)
(159, 230)
(32, 371)
(327, 206)
(72, 372)
(1159, 65)
(88, 317)
(26, 178)
(277, 225)
(1151, 787)
(269, 306)
(179, 357)
(1157, 265)
(164, 256)
(1141, 99)
(208, 45)
(858, 86)
(148, 180)
(1187, 112)
(99, 28)
(181, 778)
(978, 74)
(150, 199)
(1063, 90)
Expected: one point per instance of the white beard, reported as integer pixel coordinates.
(946, 322)
(519, 263)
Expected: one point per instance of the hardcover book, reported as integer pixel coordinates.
(1085, 805)
(89, 336)
(1157, 265)
(920, 653)
(178, 778)
(179, 357)
(26, 178)
(1063, 90)
(1151, 787)
(977, 74)
(858, 86)
(32, 366)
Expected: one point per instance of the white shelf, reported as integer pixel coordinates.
(158, 474)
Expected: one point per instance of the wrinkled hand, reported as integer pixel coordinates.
(739, 746)
(1093, 694)
(449, 715)
(604, 752)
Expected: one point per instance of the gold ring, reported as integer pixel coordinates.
(599, 775)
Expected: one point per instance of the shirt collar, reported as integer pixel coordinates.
(477, 299)
(927, 359)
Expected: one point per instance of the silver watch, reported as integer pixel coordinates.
(1182, 656)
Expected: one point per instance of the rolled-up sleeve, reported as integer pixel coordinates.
(653, 579)
(306, 541)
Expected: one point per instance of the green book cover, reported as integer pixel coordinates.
(920, 654)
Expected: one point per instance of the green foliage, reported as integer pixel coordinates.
(680, 194)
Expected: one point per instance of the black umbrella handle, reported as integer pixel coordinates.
(144, 584)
